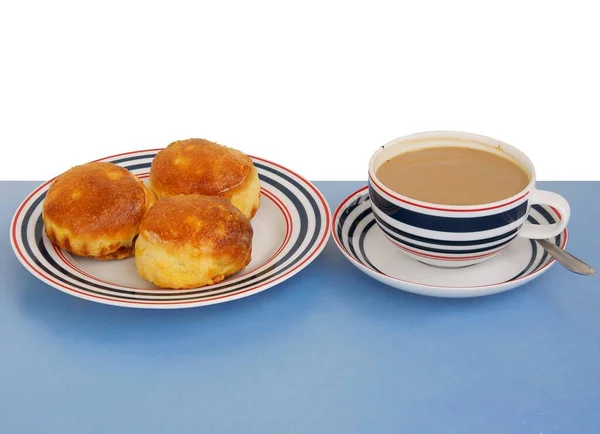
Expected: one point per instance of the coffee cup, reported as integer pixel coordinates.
(455, 236)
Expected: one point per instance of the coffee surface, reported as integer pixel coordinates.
(453, 176)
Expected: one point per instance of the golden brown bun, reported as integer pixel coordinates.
(95, 210)
(191, 240)
(197, 166)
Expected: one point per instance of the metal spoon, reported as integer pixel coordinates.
(567, 260)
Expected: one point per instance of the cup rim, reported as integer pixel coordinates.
(459, 208)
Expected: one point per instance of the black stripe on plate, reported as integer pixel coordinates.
(138, 157)
(531, 260)
(251, 279)
(361, 245)
(531, 220)
(353, 225)
(133, 167)
(349, 208)
(542, 261)
(550, 219)
(352, 229)
(448, 224)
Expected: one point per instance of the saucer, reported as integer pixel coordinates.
(360, 239)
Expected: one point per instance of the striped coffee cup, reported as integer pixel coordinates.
(457, 236)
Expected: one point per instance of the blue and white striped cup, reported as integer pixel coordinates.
(458, 236)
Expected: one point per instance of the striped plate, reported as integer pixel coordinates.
(363, 243)
(291, 228)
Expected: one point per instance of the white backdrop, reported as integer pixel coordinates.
(314, 85)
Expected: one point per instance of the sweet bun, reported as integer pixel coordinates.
(197, 166)
(95, 210)
(189, 241)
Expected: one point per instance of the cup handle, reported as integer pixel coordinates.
(554, 200)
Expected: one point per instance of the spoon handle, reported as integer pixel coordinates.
(567, 260)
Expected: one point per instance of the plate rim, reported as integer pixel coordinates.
(303, 261)
(468, 291)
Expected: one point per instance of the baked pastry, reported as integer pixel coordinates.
(197, 166)
(189, 241)
(95, 210)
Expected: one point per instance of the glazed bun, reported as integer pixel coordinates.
(95, 210)
(197, 166)
(189, 241)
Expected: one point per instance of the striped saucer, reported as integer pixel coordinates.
(291, 228)
(361, 240)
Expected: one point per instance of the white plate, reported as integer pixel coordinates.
(291, 228)
(363, 243)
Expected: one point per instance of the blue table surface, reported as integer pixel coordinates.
(328, 351)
